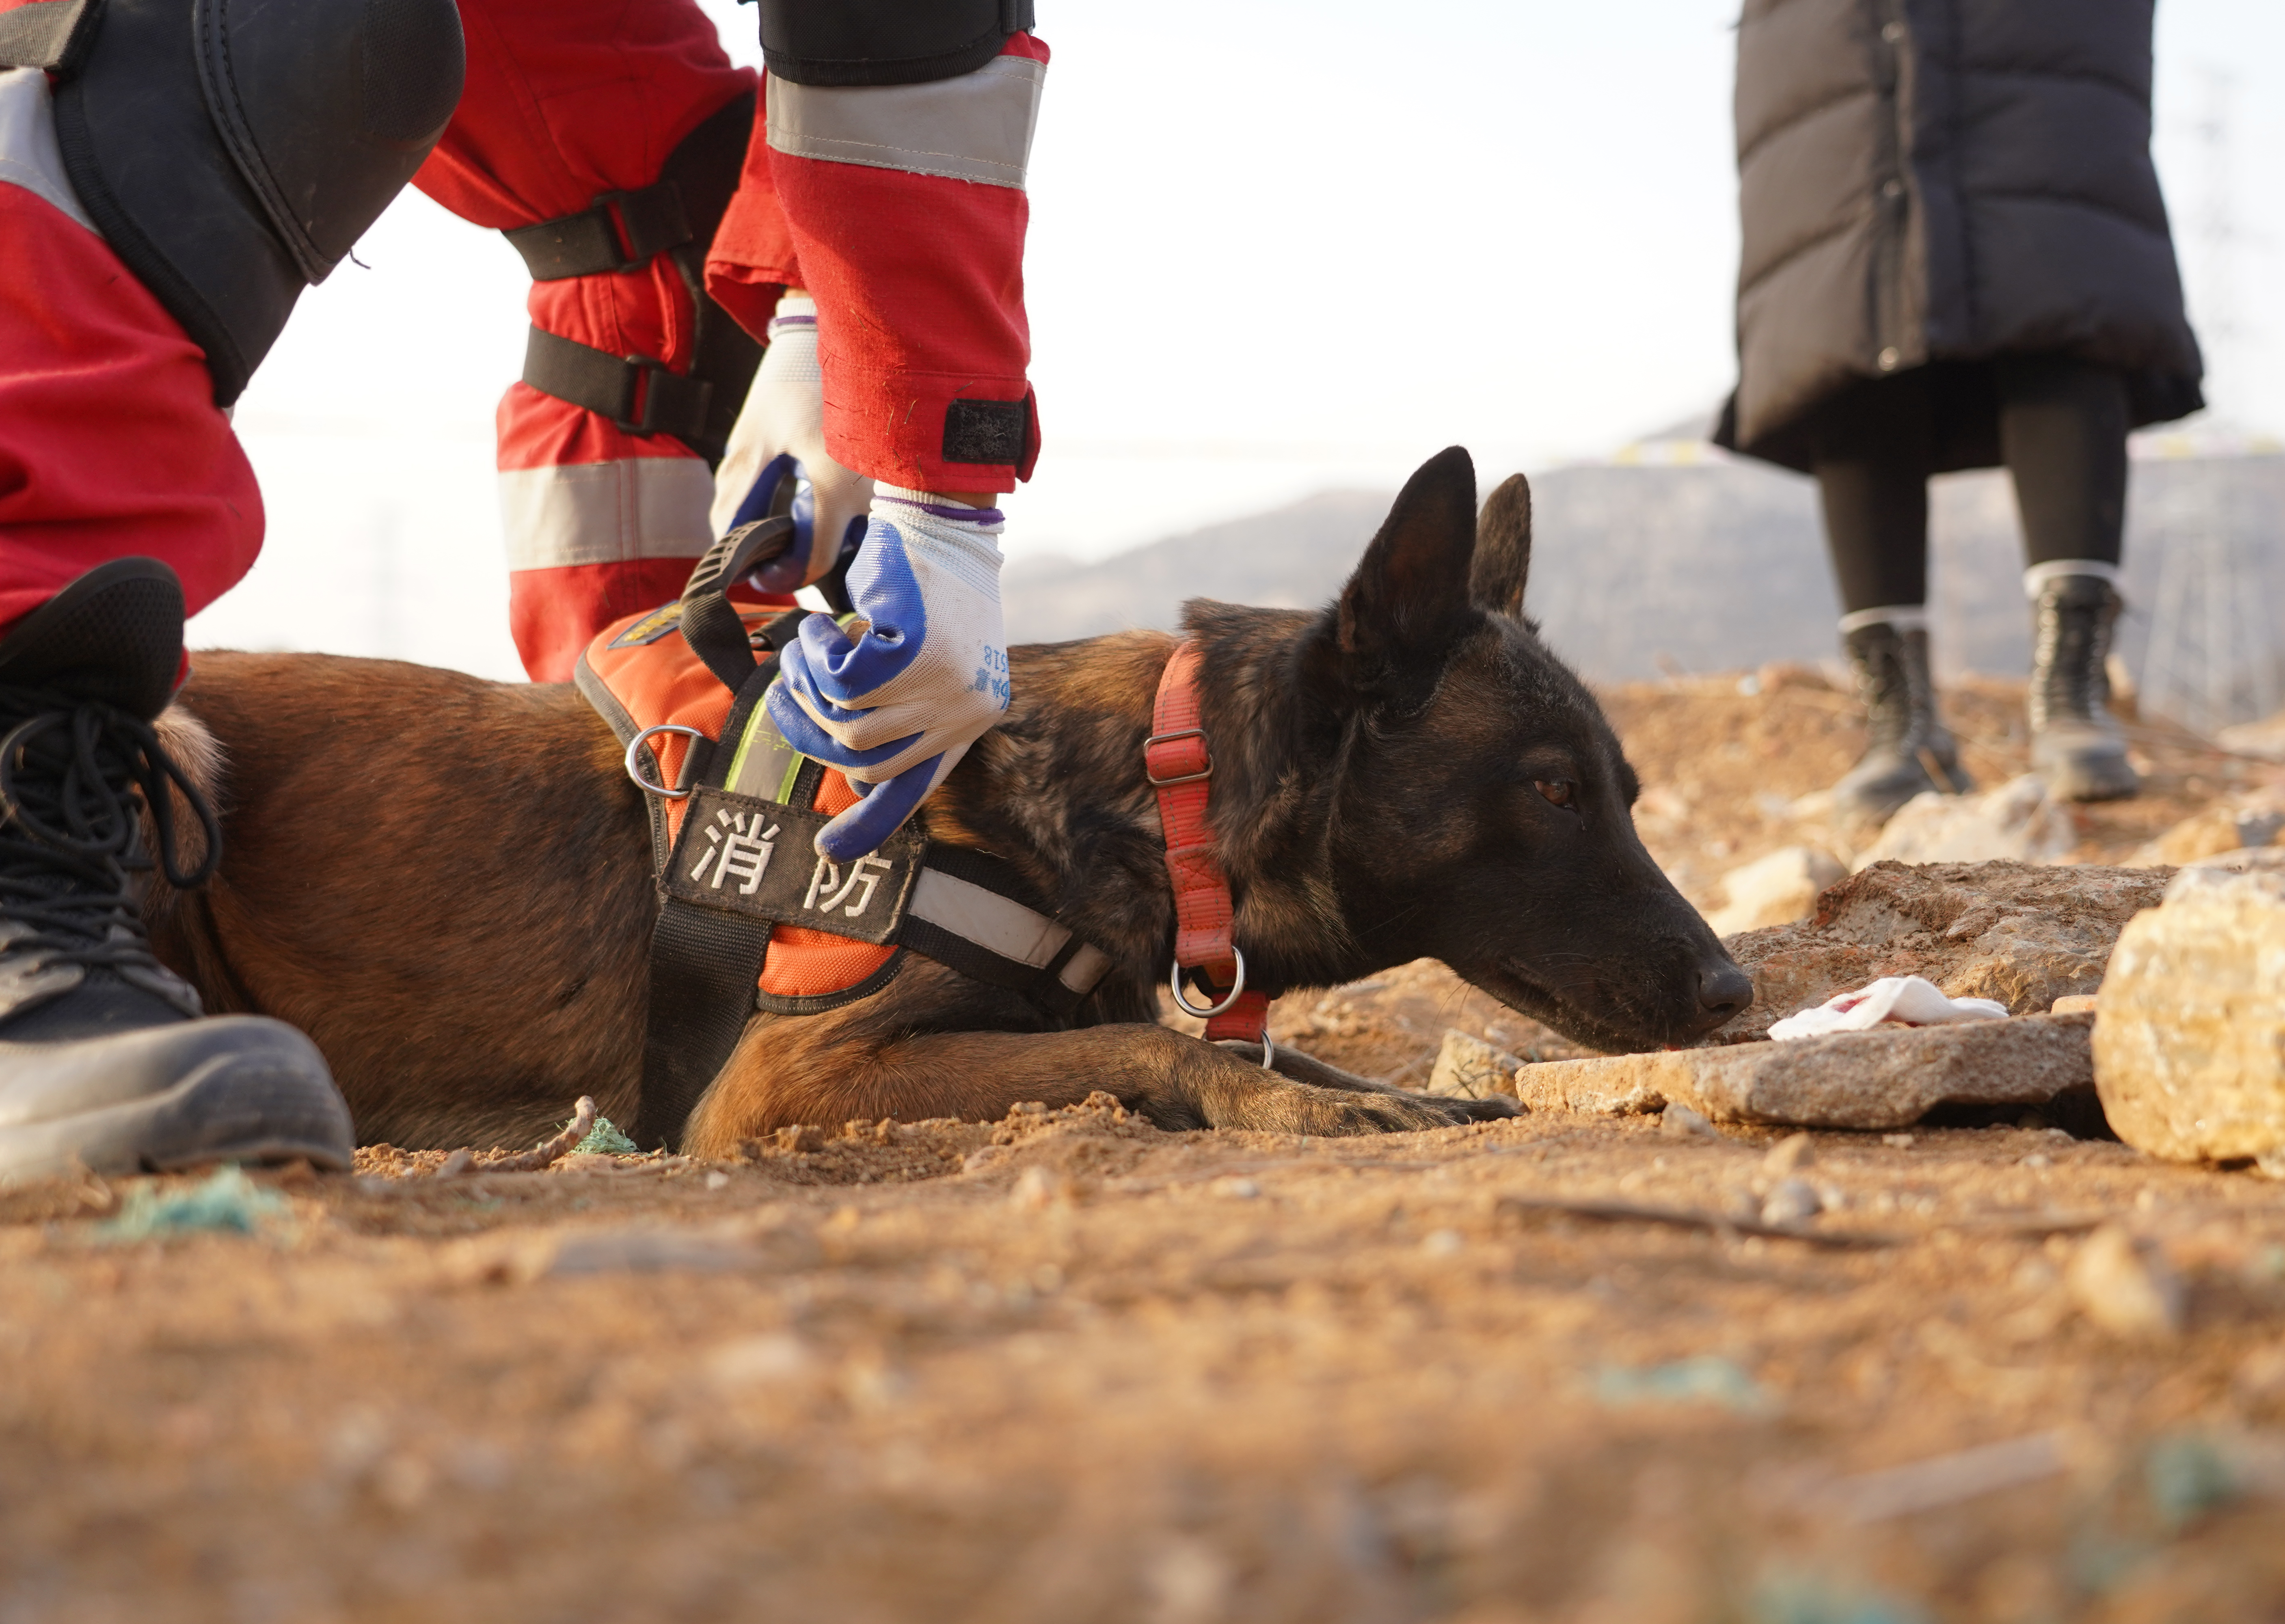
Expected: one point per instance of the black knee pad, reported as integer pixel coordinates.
(232, 152)
(886, 41)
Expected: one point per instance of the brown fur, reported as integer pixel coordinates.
(445, 881)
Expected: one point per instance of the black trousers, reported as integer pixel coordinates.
(2062, 431)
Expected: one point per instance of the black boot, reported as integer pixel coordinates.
(104, 1061)
(1892, 677)
(2074, 741)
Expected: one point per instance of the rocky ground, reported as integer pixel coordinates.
(1067, 1368)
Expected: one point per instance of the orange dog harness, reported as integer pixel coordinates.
(750, 916)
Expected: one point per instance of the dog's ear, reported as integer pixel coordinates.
(1503, 549)
(1413, 585)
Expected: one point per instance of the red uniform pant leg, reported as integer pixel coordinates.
(567, 99)
(913, 246)
(111, 445)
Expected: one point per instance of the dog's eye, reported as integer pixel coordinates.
(1559, 792)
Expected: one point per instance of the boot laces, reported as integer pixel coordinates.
(2074, 645)
(75, 776)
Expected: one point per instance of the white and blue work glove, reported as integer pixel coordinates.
(777, 462)
(920, 673)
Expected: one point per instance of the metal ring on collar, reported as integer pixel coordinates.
(634, 769)
(1174, 985)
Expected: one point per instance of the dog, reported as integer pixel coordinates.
(445, 881)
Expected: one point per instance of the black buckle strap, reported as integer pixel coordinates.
(676, 217)
(622, 231)
(641, 397)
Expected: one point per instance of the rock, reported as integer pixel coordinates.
(1471, 1069)
(2252, 821)
(1884, 1078)
(2189, 1045)
(1792, 1202)
(2263, 738)
(2015, 821)
(2024, 934)
(1776, 889)
(2073, 1003)
(1789, 1155)
(2124, 1285)
(1681, 1122)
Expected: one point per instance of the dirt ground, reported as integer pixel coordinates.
(1066, 1368)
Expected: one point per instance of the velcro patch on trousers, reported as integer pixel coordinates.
(759, 857)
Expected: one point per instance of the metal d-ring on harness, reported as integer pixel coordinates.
(634, 762)
(1229, 1000)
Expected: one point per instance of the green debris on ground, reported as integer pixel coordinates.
(229, 1201)
(1706, 1379)
(605, 1139)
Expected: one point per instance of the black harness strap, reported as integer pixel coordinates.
(703, 964)
(677, 215)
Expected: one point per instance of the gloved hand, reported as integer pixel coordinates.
(777, 462)
(925, 675)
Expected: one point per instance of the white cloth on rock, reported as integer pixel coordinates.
(1893, 1000)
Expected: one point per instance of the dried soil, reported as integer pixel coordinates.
(1067, 1368)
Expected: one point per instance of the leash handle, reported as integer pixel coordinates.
(1180, 766)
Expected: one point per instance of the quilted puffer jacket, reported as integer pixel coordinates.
(1936, 183)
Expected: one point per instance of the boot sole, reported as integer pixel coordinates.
(234, 1108)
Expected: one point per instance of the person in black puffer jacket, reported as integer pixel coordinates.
(1955, 254)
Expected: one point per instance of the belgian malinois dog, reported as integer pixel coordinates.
(445, 881)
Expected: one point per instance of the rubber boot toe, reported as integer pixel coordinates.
(240, 1088)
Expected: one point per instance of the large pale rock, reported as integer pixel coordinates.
(2023, 934)
(2189, 1043)
(2016, 822)
(1884, 1078)
(2249, 821)
(1468, 1067)
(1776, 889)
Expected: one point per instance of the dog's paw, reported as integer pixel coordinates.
(1339, 1112)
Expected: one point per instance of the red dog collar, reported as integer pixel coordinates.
(1180, 769)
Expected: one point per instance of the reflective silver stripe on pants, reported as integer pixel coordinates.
(29, 156)
(987, 919)
(975, 128)
(606, 513)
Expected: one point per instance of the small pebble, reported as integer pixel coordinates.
(1789, 1155)
(1443, 1243)
(1792, 1202)
(1898, 1141)
(1237, 1189)
(457, 1164)
(1681, 1122)
(2124, 1285)
(718, 1179)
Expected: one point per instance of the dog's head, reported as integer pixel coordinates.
(1481, 807)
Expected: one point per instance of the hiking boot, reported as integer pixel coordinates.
(2075, 741)
(105, 1061)
(1910, 752)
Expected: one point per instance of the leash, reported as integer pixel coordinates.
(1180, 766)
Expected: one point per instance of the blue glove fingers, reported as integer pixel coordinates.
(883, 589)
(880, 815)
(806, 736)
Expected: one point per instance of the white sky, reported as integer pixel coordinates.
(1291, 250)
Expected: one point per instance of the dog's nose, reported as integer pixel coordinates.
(1723, 990)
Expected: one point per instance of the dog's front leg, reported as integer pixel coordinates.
(1308, 1069)
(778, 1079)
